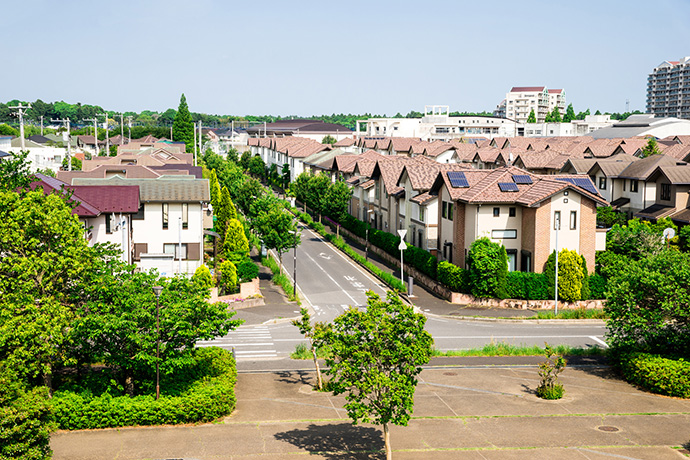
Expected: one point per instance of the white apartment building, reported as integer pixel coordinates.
(668, 89)
(521, 100)
(437, 124)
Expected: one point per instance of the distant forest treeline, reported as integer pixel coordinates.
(78, 113)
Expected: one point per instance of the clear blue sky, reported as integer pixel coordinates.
(316, 57)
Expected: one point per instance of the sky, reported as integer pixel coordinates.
(302, 58)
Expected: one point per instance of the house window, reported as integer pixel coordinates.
(504, 234)
(108, 224)
(573, 220)
(666, 192)
(165, 216)
(602, 183)
(497, 212)
(512, 259)
(421, 214)
(185, 216)
(174, 248)
(450, 211)
(443, 210)
(633, 185)
(557, 220)
(511, 212)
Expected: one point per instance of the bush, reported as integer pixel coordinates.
(25, 419)
(657, 374)
(202, 275)
(247, 271)
(455, 278)
(488, 264)
(526, 286)
(549, 386)
(200, 392)
(597, 287)
(228, 277)
(570, 275)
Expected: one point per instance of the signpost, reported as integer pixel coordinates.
(402, 246)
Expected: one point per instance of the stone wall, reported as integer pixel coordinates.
(467, 299)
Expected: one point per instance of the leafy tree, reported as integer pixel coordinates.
(300, 187)
(235, 244)
(582, 115)
(648, 305)
(571, 274)
(328, 139)
(569, 114)
(76, 164)
(215, 189)
(247, 271)
(376, 357)
(274, 226)
(7, 130)
(652, 148)
(233, 155)
(15, 172)
(45, 263)
(531, 118)
(556, 115)
(257, 167)
(316, 193)
(118, 324)
(228, 277)
(249, 192)
(336, 200)
(25, 419)
(597, 112)
(313, 334)
(608, 217)
(285, 175)
(636, 240)
(488, 268)
(245, 159)
(183, 127)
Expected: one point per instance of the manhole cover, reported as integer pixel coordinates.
(450, 373)
(609, 429)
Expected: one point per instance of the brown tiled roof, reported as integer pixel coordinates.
(641, 169)
(347, 142)
(423, 198)
(656, 211)
(611, 168)
(522, 89)
(580, 165)
(678, 151)
(368, 184)
(677, 175)
(403, 144)
(345, 163)
(683, 215)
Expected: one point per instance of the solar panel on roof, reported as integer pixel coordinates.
(457, 179)
(508, 186)
(583, 183)
(522, 179)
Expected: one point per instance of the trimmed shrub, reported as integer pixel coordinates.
(488, 264)
(228, 277)
(202, 275)
(658, 374)
(247, 270)
(526, 286)
(597, 287)
(200, 392)
(570, 275)
(455, 278)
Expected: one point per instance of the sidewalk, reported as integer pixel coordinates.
(462, 413)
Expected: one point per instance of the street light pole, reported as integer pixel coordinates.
(157, 290)
(366, 247)
(294, 262)
(558, 227)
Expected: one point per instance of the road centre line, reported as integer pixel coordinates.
(331, 278)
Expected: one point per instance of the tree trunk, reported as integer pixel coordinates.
(129, 384)
(48, 380)
(319, 380)
(387, 439)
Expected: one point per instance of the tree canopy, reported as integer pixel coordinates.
(183, 126)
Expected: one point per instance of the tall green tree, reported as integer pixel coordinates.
(336, 200)
(215, 190)
(15, 172)
(652, 148)
(556, 115)
(569, 114)
(183, 126)
(377, 355)
(488, 268)
(571, 275)
(531, 118)
(274, 226)
(224, 212)
(235, 243)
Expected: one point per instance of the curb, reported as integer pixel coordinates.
(520, 320)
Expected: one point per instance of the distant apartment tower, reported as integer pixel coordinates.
(668, 89)
(521, 100)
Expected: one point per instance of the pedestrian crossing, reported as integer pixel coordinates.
(249, 342)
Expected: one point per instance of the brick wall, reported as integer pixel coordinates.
(588, 231)
(528, 233)
(542, 236)
(459, 234)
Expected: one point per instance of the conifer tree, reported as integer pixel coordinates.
(183, 126)
(531, 118)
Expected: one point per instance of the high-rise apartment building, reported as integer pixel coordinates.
(668, 89)
(521, 100)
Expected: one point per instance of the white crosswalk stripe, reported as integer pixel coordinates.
(248, 341)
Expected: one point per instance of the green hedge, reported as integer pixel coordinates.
(454, 277)
(201, 392)
(527, 286)
(658, 374)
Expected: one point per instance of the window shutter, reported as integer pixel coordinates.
(140, 248)
(193, 251)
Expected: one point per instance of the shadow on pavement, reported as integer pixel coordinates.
(338, 441)
(295, 377)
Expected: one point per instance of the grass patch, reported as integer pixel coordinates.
(576, 313)
(302, 352)
(281, 279)
(505, 349)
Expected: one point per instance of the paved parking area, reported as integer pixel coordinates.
(460, 413)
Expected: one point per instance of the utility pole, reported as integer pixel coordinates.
(69, 141)
(200, 152)
(21, 109)
(129, 123)
(122, 129)
(41, 125)
(95, 133)
(194, 143)
(107, 141)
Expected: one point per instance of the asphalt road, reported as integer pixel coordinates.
(330, 282)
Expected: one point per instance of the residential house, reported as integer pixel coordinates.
(672, 199)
